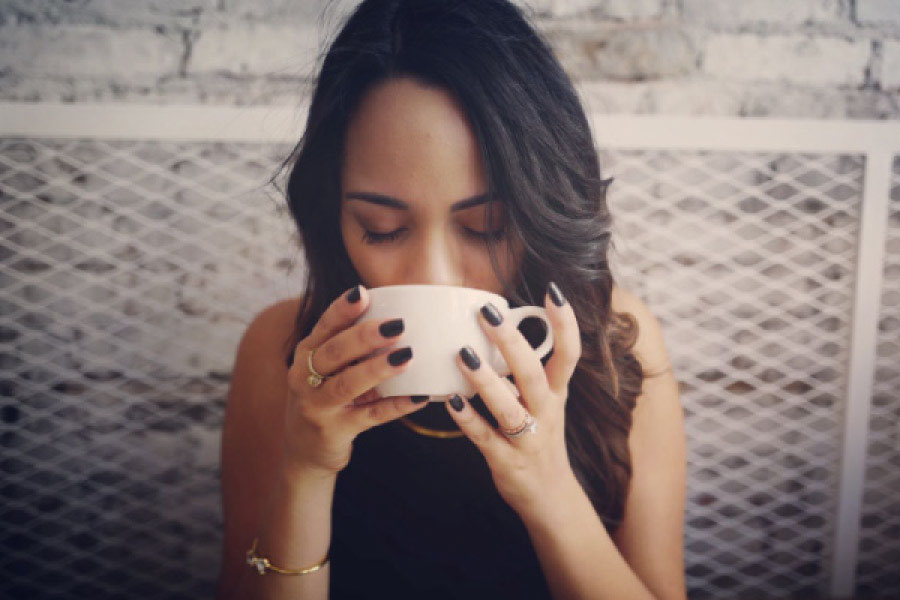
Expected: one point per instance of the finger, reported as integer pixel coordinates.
(339, 315)
(383, 410)
(512, 388)
(356, 342)
(341, 389)
(566, 341)
(523, 361)
(476, 428)
(493, 389)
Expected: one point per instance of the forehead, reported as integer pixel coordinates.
(414, 143)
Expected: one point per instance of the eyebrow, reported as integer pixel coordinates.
(390, 202)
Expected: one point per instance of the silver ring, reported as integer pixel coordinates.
(529, 425)
(315, 378)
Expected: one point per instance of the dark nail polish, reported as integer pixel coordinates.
(492, 315)
(391, 328)
(556, 295)
(419, 399)
(398, 357)
(456, 402)
(469, 357)
(353, 295)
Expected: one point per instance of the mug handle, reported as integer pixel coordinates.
(518, 315)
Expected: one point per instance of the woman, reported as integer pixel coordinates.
(445, 145)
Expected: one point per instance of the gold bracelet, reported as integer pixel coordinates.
(262, 564)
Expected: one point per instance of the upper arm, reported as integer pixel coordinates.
(651, 534)
(250, 453)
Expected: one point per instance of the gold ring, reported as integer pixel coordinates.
(315, 378)
(529, 425)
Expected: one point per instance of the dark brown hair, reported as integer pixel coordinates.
(539, 160)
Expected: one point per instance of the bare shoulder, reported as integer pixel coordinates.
(273, 325)
(650, 347)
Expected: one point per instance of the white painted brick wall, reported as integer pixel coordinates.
(878, 11)
(890, 64)
(88, 50)
(286, 11)
(784, 58)
(110, 13)
(258, 49)
(619, 53)
(755, 12)
(619, 9)
(795, 58)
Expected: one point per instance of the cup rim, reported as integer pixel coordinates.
(458, 288)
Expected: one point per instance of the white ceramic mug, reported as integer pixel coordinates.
(438, 321)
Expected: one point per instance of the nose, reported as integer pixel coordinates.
(436, 262)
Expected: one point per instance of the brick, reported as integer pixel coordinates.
(625, 53)
(632, 9)
(756, 12)
(605, 97)
(87, 50)
(556, 8)
(870, 12)
(699, 97)
(792, 102)
(147, 13)
(872, 104)
(257, 49)
(617, 9)
(890, 64)
(797, 59)
(279, 11)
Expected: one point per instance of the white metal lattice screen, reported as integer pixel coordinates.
(878, 570)
(748, 261)
(130, 268)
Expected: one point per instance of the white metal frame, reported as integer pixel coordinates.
(878, 141)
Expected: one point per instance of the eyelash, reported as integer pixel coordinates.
(373, 237)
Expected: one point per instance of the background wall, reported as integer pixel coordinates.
(797, 58)
(130, 268)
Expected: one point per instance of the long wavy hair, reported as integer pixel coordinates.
(539, 160)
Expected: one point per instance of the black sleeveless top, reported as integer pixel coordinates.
(420, 517)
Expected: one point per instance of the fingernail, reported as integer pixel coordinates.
(419, 399)
(398, 357)
(456, 402)
(491, 313)
(353, 295)
(391, 328)
(556, 295)
(469, 357)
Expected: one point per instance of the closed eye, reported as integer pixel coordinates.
(376, 237)
(484, 236)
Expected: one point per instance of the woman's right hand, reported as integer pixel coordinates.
(322, 422)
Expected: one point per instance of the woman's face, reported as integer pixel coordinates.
(412, 204)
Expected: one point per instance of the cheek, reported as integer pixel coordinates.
(480, 271)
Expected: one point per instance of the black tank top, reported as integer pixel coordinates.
(420, 517)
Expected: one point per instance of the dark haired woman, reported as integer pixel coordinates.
(445, 145)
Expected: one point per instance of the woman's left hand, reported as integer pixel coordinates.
(526, 468)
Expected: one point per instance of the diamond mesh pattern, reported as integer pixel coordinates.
(129, 271)
(878, 569)
(748, 262)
